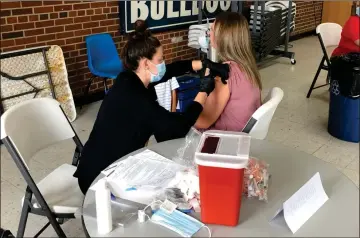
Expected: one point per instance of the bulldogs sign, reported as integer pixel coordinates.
(166, 15)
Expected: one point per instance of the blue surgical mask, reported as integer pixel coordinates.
(204, 42)
(178, 222)
(358, 11)
(161, 68)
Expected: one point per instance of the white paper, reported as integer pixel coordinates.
(109, 169)
(149, 154)
(304, 203)
(146, 169)
(277, 213)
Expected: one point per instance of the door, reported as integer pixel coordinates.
(336, 11)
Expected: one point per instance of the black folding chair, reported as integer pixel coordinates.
(329, 34)
(27, 128)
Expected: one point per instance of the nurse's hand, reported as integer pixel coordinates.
(217, 69)
(207, 84)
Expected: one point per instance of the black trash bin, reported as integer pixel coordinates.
(344, 108)
(345, 70)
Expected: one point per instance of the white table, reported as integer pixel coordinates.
(290, 169)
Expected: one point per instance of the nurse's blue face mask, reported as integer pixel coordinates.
(161, 68)
(178, 222)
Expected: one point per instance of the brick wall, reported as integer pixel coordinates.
(27, 24)
(308, 16)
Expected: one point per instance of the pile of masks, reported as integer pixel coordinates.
(199, 37)
(183, 191)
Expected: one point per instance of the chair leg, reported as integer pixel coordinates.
(42, 230)
(60, 221)
(31, 189)
(54, 223)
(24, 212)
(23, 220)
(87, 89)
(315, 78)
(76, 157)
(105, 86)
(328, 78)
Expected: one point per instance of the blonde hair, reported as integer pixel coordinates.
(233, 43)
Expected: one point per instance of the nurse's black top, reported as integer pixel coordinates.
(128, 116)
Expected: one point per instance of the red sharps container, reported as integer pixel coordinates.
(221, 158)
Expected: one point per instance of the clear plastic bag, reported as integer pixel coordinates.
(186, 152)
(174, 195)
(256, 179)
(182, 190)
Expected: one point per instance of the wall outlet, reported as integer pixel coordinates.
(176, 39)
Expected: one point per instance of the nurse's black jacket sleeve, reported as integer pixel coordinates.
(169, 125)
(176, 69)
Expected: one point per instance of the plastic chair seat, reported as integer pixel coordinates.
(258, 125)
(109, 69)
(60, 190)
(103, 58)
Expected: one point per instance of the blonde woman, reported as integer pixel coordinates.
(231, 105)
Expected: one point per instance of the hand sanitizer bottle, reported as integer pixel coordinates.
(103, 207)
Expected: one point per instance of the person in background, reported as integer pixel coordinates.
(231, 105)
(130, 114)
(350, 35)
(166, 94)
(346, 57)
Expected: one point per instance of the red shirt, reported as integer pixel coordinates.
(350, 33)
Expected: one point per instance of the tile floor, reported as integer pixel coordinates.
(299, 123)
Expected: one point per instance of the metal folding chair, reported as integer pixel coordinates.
(27, 128)
(329, 34)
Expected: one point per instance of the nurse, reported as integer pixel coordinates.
(130, 114)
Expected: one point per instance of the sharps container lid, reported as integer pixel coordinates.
(223, 149)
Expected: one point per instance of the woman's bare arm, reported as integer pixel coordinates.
(214, 105)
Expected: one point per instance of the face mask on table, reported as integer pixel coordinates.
(178, 222)
(161, 68)
(204, 42)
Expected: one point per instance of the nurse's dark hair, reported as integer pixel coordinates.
(141, 44)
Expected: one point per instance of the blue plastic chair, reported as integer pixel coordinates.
(103, 59)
